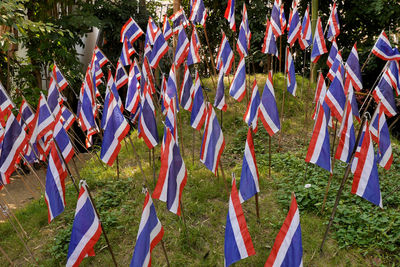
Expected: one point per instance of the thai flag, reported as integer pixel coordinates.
(149, 234)
(246, 26)
(347, 135)
(131, 30)
(182, 47)
(167, 31)
(335, 66)
(380, 134)
(6, 103)
(199, 111)
(238, 244)
(320, 92)
(275, 19)
(295, 27)
(198, 13)
(13, 143)
(173, 175)
(394, 74)
(288, 248)
(100, 57)
(249, 177)
(353, 101)
(98, 73)
(319, 47)
(269, 43)
(133, 93)
(305, 39)
(27, 117)
(383, 93)
(268, 111)
(85, 110)
(319, 150)
(54, 100)
(86, 229)
(170, 121)
(177, 19)
(121, 77)
(384, 50)
(282, 19)
(194, 56)
(230, 14)
(147, 127)
(111, 93)
(148, 74)
(160, 48)
(332, 54)
(294, 4)
(126, 53)
(163, 95)
(353, 70)
(187, 90)
(291, 73)
(63, 142)
(334, 26)
(219, 101)
(67, 118)
(251, 114)
(336, 98)
(61, 81)
(172, 87)
(225, 56)
(213, 142)
(366, 179)
(45, 123)
(241, 43)
(151, 32)
(238, 85)
(55, 184)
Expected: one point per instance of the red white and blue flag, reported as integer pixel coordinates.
(213, 142)
(100, 57)
(147, 127)
(282, 19)
(160, 48)
(319, 47)
(131, 30)
(347, 135)
(173, 175)
(149, 234)
(251, 114)
(199, 111)
(198, 12)
(167, 31)
(305, 39)
(187, 90)
(172, 87)
(230, 14)
(126, 53)
(334, 25)
(25, 116)
(59, 77)
(275, 19)
(249, 176)
(238, 244)
(111, 92)
(45, 123)
(337, 63)
(55, 184)
(268, 111)
(320, 92)
(353, 70)
(290, 73)
(225, 56)
(63, 142)
(177, 19)
(121, 77)
(86, 229)
(384, 50)
(332, 53)
(241, 43)
(394, 75)
(366, 179)
(246, 26)
(288, 248)
(238, 85)
(194, 56)
(151, 31)
(335, 97)
(182, 47)
(219, 101)
(6, 104)
(295, 27)
(383, 93)
(133, 93)
(269, 43)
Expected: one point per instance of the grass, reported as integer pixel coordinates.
(199, 242)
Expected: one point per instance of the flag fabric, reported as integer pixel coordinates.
(319, 149)
(115, 130)
(384, 50)
(98, 74)
(133, 93)
(383, 92)
(100, 57)
(288, 248)
(225, 56)
(269, 43)
(131, 31)
(241, 43)
(54, 99)
(148, 73)
(332, 53)
(173, 175)
(64, 143)
(246, 26)
(199, 111)
(121, 77)
(353, 101)
(230, 14)
(55, 184)
(25, 115)
(394, 74)
(126, 53)
(305, 39)
(295, 27)
(13, 143)
(251, 114)
(194, 56)
(249, 176)
(268, 111)
(160, 48)
(167, 31)
(353, 70)
(336, 98)
(337, 63)
(182, 47)
(366, 179)
(238, 244)
(333, 22)
(282, 19)
(147, 127)
(59, 78)
(177, 19)
(172, 86)
(238, 86)
(187, 90)
(219, 101)
(149, 234)
(163, 95)
(213, 142)
(45, 123)
(380, 134)
(6, 103)
(347, 136)
(291, 73)
(198, 13)
(319, 47)
(275, 19)
(111, 93)
(85, 111)
(151, 31)
(320, 92)
(86, 229)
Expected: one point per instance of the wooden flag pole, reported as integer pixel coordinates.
(223, 175)
(165, 252)
(117, 167)
(283, 105)
(6, 256)
(209, 49)
(102, 228)
(345, 176)
(183, 214)
(257, 208)
(193, 140)
(269, 157)
(154, 167)
(24, 182)
(66, 166)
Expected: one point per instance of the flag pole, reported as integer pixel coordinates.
(342, 184)
(24, 182)
(102, 228)
(283, 104)
(33, 171)
(117, 167)
(66, 166)
(269, 156)
(257, 208)
(193, 139)
(154, 167)
(6, 256)
(165, 252)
